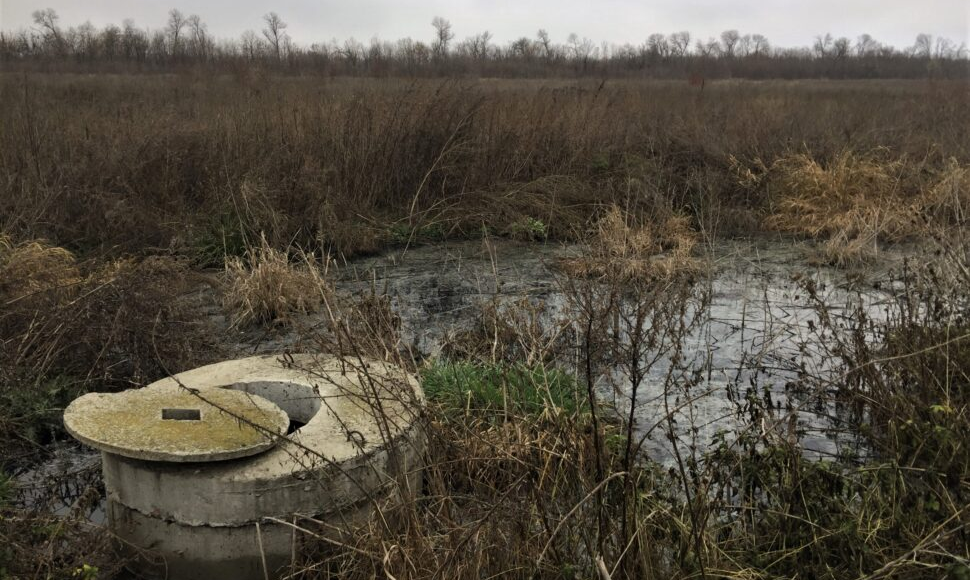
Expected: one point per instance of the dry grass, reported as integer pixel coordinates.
(206, 169)
(61, 313)
(854, 201)
(855, 196)
(42, 545)
(201, 166)
(67, 325)
(35, 269)
(630, 248)
(946, 200)
(267, 287)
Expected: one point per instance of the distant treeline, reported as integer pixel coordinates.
(185, 42)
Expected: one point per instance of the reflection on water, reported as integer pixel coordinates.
(67, 482)
(757, 331)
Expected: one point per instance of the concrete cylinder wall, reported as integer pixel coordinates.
(199, 520)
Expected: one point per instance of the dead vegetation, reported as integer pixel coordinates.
(633, 248)
(855, 201)
(68, 325)
(203, 169)
(265, 286)
(178, 173)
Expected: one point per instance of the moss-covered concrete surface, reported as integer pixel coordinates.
(231, 424)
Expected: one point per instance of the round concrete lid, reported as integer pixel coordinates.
(174, 424)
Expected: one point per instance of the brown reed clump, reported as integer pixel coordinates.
(946, 201)
(855, 201)
(631, 248)
(95, 319)
(68, 326)
(35, 270)
(852, 195)
(267, 287)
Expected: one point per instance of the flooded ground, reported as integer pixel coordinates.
(757, 330)
(66, 482)
(755, 333)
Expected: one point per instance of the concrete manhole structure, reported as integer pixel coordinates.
(200, 472)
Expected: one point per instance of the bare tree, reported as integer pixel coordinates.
(158, 46)
(86, 41)
(377, 54)
(823, 45)
(729, 42)
(184, 38)
(200, 37)
(745, 45)
(443, 36)
(134, 42)
(176, 23)
(581, 50)
(353, 52)
(111, 41)
(274, 33)
(945, 48)
(679, 43)
(478, 45)
(924, 46)
(658, 46)
(708, 48)
(866, 45)
(840, 47)
(47, 20)
(252, 46)
(545, 43)
(522, 48)
(760, 45)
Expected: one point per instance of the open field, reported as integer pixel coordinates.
(195, 166)
(608, 396)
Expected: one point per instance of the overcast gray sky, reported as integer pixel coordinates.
(784, 22)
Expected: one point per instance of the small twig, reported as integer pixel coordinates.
(575, 508)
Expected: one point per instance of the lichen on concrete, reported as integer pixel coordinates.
(232, 424)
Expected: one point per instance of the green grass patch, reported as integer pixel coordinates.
(529, 228)
(223, 235)
(403, 233)
(493, 390)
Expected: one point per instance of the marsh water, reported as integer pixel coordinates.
(754, 333)
(755, 330)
